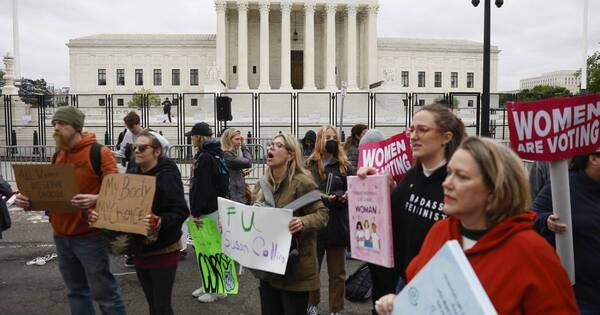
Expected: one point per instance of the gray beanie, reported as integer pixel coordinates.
(70, 116)
(372, 135)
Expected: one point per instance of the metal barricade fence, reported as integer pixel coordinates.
(35, 154)
(183, 155)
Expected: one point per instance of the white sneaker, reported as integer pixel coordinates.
(210, 297)
(198, 292)
(312, 310)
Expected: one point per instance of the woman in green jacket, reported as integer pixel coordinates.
(288, 180)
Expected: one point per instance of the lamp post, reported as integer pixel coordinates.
(485, 103)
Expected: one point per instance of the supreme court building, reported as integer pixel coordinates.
(286, 45)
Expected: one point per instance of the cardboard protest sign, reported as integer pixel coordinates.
(48, 186)
(370, 215)
(216, 268)
(392, 156)
(256, 237)
(555, 129)
(124, 201)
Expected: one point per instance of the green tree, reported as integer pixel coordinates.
(541, 92)
(137, 99)
(593, 73)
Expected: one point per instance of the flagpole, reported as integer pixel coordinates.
(585, 47)
(16, 49)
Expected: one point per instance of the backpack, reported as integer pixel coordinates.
(359, 285)
(120, 138)
(221, 176)
(95, 158)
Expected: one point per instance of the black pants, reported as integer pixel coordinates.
(384, 282)
(280, 302)
(158, 285)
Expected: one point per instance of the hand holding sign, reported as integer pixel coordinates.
(555, 130)
(84, 201)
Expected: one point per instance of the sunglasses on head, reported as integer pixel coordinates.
(142, 147)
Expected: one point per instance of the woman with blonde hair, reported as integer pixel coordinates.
(287, 180)
(237, 157)
(486, 196)
(330, 168)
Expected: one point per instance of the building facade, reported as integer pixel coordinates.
(308, 45)
(569, 79)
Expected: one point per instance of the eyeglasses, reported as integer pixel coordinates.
(276, 145)
(420, 130)
(141, 147)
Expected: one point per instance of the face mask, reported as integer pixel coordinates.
(331, 147)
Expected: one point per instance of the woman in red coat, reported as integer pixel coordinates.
(486, 196)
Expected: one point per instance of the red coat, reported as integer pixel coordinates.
(518, 269)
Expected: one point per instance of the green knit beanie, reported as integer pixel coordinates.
(70, 116)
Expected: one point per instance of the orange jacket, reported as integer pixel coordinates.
(75, 224)
(518, 269)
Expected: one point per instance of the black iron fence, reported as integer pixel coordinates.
(262, 115)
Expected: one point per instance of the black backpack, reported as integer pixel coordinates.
(95, 158)
(221, 175)
(359, 286)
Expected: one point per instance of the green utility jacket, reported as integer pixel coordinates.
(304, 276)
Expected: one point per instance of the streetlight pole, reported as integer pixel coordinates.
(485, 97)
(485, 104)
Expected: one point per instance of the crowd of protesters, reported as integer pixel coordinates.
(460, 188)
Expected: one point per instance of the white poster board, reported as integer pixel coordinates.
(447, 282)
(255, 237)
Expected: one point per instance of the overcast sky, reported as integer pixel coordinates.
(535, 36)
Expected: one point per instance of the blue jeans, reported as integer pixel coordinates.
(84, 265)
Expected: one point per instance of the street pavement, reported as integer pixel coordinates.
(40, 290)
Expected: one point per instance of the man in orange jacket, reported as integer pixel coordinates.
(83, 258)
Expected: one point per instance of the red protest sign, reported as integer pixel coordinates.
(392, 156)
(555, 129)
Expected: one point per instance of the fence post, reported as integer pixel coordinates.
(13, 142)
(106, 138)
(36, 143)
(188, 140)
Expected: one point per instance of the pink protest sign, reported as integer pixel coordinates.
(370, 218)
(392, 156)
(555, 129)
